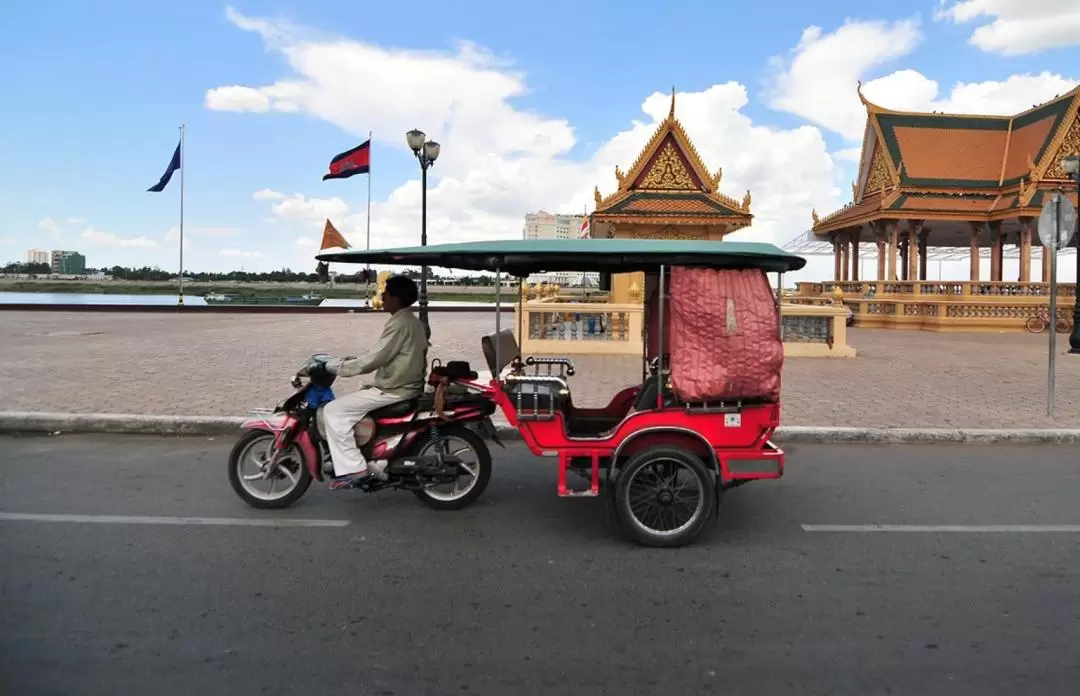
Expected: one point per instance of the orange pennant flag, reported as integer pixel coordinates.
(331, 238)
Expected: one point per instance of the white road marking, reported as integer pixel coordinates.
(213, 521)
(949, 528)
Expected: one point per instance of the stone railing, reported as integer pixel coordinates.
(545, 328)
(954, 288)
(953, 314)
(571, 328)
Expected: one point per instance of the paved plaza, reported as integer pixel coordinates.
(223, 365)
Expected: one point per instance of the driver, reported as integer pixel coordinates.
(398, 360)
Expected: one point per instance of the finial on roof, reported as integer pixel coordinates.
(671, 114)
(858, 89)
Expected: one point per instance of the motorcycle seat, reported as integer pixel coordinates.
(396, 410)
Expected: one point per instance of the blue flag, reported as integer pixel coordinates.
(173, 166)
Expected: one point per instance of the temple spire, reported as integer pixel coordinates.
(671, 113)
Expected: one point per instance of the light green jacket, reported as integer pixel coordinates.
(398, 359)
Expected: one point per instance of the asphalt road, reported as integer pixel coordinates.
(526, 593)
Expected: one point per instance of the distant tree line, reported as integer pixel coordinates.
(28, 268)
(285, 275)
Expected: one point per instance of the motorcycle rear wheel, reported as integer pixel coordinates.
(461, 497)
(291, 472)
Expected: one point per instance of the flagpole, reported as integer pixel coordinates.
(369, 196)
(367, 246)
(183, 166)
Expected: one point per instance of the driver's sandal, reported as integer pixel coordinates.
(349, 480)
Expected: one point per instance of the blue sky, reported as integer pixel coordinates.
(534, 114)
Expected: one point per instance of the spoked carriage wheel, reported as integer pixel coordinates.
(1036, 325)
(664, 496)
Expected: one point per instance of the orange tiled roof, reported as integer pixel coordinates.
(674, 204)
(916, 160)
(970, 152)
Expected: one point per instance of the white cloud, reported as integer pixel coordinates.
(98, 237)
(819, 82)
(76, 220)
(7, 240)
(1018, 27)
(500, 162)
(236, 98)
(306, 243)
(240, 254)
(298, 208)
(819, 78)
(50, 227)
(850, 154)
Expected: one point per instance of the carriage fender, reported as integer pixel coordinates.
(667, 436)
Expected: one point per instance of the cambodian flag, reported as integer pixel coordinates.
(351, 162)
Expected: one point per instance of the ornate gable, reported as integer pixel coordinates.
(668, 170)
(1069, 145)
(670, 163)
(879, 176)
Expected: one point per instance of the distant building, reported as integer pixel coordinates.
(545, 225)
(39, 256)
(68, 263)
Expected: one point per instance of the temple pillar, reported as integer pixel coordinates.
(855, 262)
(1047, 260)
(882, 250)
(904, 246)
(976, 229)
(837, 260)
(892, 230)
(924, 235)
(997, 251)
(914, 230)
(845, 252)
(1025, 249)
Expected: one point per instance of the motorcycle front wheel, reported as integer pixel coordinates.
(267, 491)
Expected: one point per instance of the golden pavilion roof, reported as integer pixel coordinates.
(670, 183)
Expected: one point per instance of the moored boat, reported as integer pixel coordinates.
(310, 299)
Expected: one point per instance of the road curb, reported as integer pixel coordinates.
(39, 422)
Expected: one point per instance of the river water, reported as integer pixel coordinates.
(158, 300)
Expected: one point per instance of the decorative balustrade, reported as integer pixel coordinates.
(548, 328)
(958, 288)
(571, 328)
(940, 305)
(952, 314)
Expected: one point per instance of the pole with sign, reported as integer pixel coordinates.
(1056, 224)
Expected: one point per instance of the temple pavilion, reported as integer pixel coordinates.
(957, 185)
(668, 193)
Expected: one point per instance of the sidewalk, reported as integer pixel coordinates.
(162, 364)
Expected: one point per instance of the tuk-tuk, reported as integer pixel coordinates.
(701, 419)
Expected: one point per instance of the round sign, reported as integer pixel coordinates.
(1057, 222)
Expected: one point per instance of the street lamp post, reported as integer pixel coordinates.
(1071, 166)
(426, 151)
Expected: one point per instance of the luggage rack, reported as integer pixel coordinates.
(557, 386)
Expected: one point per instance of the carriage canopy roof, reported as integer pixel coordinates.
(523, 257)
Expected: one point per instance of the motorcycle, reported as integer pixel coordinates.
(288, 446)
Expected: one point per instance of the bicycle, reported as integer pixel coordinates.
(1039, 323)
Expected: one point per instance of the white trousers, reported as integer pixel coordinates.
(339, 417)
